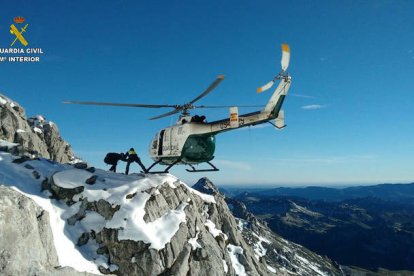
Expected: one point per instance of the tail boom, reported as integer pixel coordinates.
(271, 111)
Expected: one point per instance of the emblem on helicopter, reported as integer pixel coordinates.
(191, 141)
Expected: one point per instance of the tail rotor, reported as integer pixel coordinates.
(284, 63)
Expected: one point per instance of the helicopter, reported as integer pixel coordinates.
(191, 140)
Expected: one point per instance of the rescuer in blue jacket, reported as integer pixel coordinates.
(132, 156)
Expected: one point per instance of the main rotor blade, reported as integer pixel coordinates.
(165, 114)
(225, 106)
(209, 89)
(121, 104)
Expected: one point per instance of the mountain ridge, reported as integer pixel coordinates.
(389, 192)
(34, 135)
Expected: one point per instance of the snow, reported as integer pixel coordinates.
(3, 100)
(313, 266)
(225, 266)
(37, 130)
(234, 251)
(206, 198)
(92, 221)
(262, 239)
(71, 178)
(241, 224)
(112, 187)
(213, 230)
(7, 144)
(271, 269)
(193, 241)
(21, 179)
(158, 232)
(259, 250)
(20, 130)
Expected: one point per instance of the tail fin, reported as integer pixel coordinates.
(276, 101)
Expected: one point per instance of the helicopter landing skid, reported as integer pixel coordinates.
(193, 169)
(164, 171)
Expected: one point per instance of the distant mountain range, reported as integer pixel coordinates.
(364, 226)
(388, 192)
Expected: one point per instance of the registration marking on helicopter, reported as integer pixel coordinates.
(226, 124)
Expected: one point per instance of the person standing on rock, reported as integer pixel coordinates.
(132, 156)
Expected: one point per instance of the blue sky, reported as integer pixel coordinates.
(352, 61)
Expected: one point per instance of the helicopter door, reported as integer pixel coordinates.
(160, 142)
(166, 142)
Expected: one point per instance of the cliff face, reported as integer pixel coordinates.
(26, 241)
(34, 135)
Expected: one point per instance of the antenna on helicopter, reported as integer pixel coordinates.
(283, 74)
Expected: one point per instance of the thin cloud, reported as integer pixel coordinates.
(233, 164)
(302, 96)
(331, 159)
(313, 107)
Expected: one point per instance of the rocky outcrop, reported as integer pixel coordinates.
(204, 185)
(26, 241)
(133, 224)
(201, 245)
(35, 136)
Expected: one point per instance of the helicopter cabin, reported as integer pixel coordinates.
(187, 143)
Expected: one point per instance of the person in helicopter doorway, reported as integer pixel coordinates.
(132, 156)
(112, 159)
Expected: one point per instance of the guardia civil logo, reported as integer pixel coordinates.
(18, 50)
(17, 33)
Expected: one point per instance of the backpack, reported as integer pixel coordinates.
(112, 158)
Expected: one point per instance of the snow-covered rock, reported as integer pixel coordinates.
(34, 135)
(26, 241)
(204, 185)
(131, 224)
